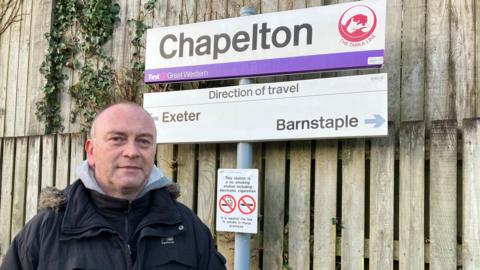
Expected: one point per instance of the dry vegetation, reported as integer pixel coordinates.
(9, 13)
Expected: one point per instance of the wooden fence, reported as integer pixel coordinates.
(398, 202)
(432, 55)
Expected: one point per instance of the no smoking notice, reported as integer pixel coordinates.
(237, 195)
(227, 204)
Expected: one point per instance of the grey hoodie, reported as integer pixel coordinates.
(156, 180)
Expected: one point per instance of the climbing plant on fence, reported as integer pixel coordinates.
(94, 22)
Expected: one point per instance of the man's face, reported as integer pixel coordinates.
(122, 150)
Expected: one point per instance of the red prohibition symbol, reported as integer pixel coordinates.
(227, 204)
(246, 204)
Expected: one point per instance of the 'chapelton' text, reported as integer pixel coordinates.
(240, 41)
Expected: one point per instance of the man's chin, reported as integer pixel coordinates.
(131, 183)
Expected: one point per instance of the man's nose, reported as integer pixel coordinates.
(131, 150)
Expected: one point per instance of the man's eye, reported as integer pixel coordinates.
(145, 142)
(116, 139)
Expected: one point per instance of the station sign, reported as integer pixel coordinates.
(237, 195)
(342, 36)
(340, 107)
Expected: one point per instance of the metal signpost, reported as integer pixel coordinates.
(244, 161)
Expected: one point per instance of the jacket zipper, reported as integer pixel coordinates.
(129, 209)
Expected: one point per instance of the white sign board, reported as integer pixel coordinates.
(348, 35)
(354, 106)
(237, 195)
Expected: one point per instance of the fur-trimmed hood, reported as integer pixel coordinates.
(155, 180)
(53, 198)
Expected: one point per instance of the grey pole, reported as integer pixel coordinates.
(242, 240)
(244, 161)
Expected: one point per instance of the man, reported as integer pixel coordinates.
(120, 214)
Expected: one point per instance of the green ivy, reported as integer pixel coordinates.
(95, 21)
(59, 52)
(133, 79)
(92, 91)
(98, 85)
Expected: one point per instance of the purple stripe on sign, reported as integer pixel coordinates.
(321, 62)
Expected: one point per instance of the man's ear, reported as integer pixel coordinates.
(89, 149)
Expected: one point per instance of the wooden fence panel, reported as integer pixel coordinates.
(22, 88)
(292, 4)
(75, 126)
(462, 40)
(477, 57)
(4, 47)
(62, 161)
(413, 60)
(33, 176)
(353, 202)
(412, 201)
(133, 12)
(204, 11)
(12, 78)
(207, 155)
(268, 6)
(299, 205)
(19, 187)
(186, 173)
(8, 165)
(257, 4)
(325, 205)
(382, 163)
(226, 240)
(66, 100)
(189, 11)
(174, 12)
(48, 161)
(257, 239)
(439, 102)
(443, 195)
(41, 23)
(233, 8)
(166, 159)
(314, 3)
(119, 36)
(393, 58)
(160, 15)
(274, 203)
(219, 9)
(471, 195)
(207, 190)
(77, 154)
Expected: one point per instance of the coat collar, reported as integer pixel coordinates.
(82, 220)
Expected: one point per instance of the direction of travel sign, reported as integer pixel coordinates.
(341, 107)
(237, 194)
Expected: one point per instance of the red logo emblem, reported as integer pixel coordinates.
(357, 23)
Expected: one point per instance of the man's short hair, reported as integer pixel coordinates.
(100, 112)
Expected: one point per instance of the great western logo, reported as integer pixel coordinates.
(294, 41)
